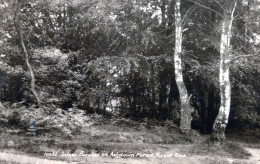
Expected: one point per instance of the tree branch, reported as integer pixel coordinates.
(245, 17)
(233, 11)
(187, 14)
(206, 7)
(242, 56)
(221, 6)
(189, 98)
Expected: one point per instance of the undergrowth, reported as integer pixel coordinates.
(73, 130)
(224, 149)
(47, 120)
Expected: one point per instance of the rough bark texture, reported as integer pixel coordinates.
(185, 122)
(26, 56)
(225, 86)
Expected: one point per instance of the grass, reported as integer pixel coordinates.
(248, 136)
(102, 134)
(129, 131)
(123, 136)
(225, 149)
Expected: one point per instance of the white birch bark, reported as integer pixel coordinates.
(224, 81)
(185, 122)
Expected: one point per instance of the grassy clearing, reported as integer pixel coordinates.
(100, 134)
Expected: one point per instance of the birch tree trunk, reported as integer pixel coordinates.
(221, 121)
(185, 122)
(26, 56)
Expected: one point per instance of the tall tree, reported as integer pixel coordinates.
(224, 80)
(19, 30)
(226, 59)
(185, 122)
(226, 12)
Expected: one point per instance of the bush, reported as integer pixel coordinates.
(49, 120)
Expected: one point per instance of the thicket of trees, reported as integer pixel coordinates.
(190, 61)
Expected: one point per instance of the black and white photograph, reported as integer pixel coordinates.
(129, 81)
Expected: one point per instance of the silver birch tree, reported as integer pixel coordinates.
(185, 122)
(224, 80)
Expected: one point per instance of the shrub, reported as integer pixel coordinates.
(49, 120)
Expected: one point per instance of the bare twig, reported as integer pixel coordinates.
(189, 98)
(187, 14)
(203, 6)
(233, 11)
(245, 17)
(221, 6)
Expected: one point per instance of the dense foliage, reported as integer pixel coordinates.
(116, 58)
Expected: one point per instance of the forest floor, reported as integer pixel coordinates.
(14, 157)
(109, 142)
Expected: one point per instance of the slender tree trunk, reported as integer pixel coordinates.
(185, 122)
(163, 10)
(162, 98)
(105, 98)
(5, 92)
(20, 33)
(170, 100)
(225, 86)
(153, 105)
(1, 98)
(1, 87)
(38, 101)
(246, 21)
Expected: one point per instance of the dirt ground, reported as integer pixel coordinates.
(174, 152)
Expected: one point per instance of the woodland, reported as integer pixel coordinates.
(192, 65)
